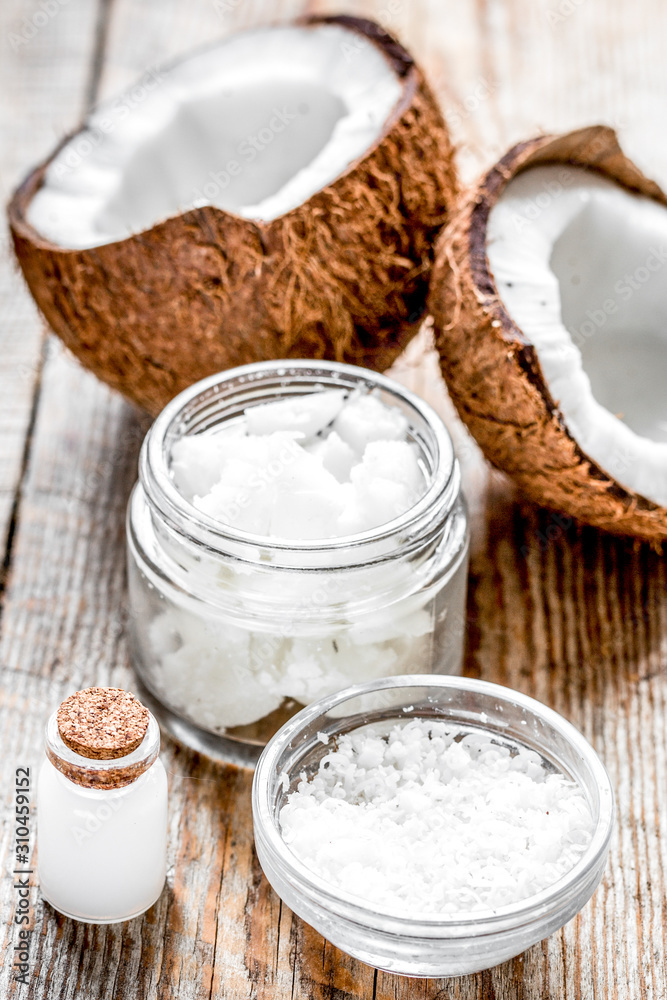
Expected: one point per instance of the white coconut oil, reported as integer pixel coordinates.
(296, 528)
(102, 829)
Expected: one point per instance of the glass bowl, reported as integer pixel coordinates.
(432, 946)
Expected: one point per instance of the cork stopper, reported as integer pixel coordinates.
(102, 723)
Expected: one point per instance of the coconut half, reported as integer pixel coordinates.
(549, 297)
(276, 195)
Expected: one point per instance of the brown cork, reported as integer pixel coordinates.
(102, 723)
(107, 779)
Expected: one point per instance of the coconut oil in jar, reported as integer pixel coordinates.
(102, 808)
(297, 527)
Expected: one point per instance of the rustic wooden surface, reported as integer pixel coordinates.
(569, 615)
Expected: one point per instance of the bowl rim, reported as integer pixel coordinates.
(481, 922)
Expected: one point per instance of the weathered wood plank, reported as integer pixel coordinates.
(509, 69)
(578, 620)
(43, 73)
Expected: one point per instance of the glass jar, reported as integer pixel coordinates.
(432, 945)
(102, 829)
(231, 633)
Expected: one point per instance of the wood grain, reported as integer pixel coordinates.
(42, 98)
(568, 615)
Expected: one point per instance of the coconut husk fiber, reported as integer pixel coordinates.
(343, 276)
(492, 370)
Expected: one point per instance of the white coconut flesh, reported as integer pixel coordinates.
(255, 126)
(580, 264)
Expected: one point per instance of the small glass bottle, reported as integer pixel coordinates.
(102, 808)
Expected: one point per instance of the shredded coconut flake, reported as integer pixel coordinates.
(433, 819)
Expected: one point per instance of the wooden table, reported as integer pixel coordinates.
(573, 617)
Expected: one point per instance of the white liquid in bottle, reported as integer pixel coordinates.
(102, 820)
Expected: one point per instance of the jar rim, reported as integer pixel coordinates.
(478, 923)
(154, 473)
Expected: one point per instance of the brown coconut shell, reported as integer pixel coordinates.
(491, 367)
(344, 276)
